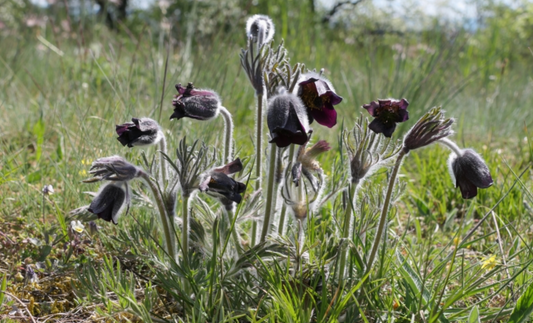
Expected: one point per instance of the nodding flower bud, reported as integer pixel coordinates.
(110, 202)
(260, 29)
(218, 183)
(139, 132)
(195, 103)
(469, 172)
(287, 119)
(428, 129)
(113, 168)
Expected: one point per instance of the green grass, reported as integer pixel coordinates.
(57, 115)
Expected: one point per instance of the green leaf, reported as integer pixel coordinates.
(474, 315)
(3, 288)
(523, 307)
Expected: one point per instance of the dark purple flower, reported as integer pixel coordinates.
(287, 120)
(219, 184)
(319, 97)
(387, 113)
(469, 172)
(139, 132)
(109, 202)
(195, 103)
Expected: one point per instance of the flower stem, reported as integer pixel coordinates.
(162, 161)
(258, 155)
(228, 130)
(451, 145)
(348, 214)
(270, 200)
(185, 229)
(230, 213)
(385, 210)
(284, 207)
(169, 234)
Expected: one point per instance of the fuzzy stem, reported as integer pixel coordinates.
(385, 210)
(270, 207)
(258, 155)
(169, 234)
(284, 207)
(185, 229)
(228, 130)
(162, 161)
(350, 210)
(451, 145)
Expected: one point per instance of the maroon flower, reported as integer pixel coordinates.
(219, 184)
(287, 120)
(469, 172)
(319, 97)
(387, 113)
(195, 103)
(140, 132)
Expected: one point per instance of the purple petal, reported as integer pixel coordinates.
(404, 104)
(120, 129)
(379, 127)
(468, 189)
(403, 115)
(326, 117)
(371, 108)
(310, 80)
(334, 98)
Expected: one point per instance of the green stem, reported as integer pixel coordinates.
(185, 230)
(258, 155)
(385, 209)
(348, 214)
(163, 162)
(228, 130)
(170, 243)
(230, 213)
(270, 200)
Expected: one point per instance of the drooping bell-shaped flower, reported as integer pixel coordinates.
(287, 119)
(195, 103)
(386, 114)
(110, 201)
(218, 183)
(469, 172)
(139, 132)
(260, 29)
(319, 97)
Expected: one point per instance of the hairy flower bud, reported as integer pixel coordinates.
(287, 120)
(110, 202)
(139, 132)
(260, 29)
(113, 168)
(218, 183)
(469, 172)
(195, 103)
(428, 129)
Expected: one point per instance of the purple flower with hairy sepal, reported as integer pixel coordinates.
(139, 132)
(387, 113)
(195, 103)
(287, 119)
(319, 97)
(469, 172)
(218, 183)
(110, 202)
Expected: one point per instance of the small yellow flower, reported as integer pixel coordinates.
(86, 162)
(82, 172)
(456, 241)
(489, 262)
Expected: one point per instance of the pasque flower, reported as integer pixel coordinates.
(287, 119)
(260, 29)
(218, 183)
(387, 113)
(195, 103)
(469, 172)
(139, 132)
(110, 201)
(319, 97)
(113, 168)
